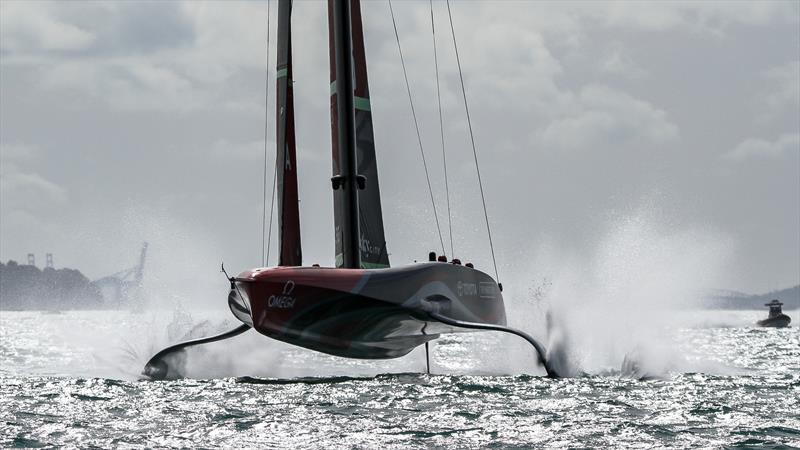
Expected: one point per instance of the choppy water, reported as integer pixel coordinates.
(70, 380)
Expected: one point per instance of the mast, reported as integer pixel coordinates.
(371, 237)
(346, 181)
(286, 163)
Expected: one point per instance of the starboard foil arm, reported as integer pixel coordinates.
(158, 369)
(551, 371)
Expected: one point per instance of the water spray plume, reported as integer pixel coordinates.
(617, 311)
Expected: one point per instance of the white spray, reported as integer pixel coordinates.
(619, 309)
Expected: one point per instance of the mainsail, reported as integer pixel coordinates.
(286, 164)
(372, 242)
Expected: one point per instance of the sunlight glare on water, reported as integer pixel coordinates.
(53, 393)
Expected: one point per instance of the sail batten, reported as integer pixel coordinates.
(371, 242)
(286, 162)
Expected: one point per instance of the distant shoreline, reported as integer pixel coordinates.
(25, 287)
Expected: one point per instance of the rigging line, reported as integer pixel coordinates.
(441, 130)
(416, 126)
(472, 139)
(266, 238)
(271, 211)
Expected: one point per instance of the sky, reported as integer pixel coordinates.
(660, 136)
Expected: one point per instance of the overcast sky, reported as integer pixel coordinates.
(661, 136)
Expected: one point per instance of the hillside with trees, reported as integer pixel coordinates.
(26, 287)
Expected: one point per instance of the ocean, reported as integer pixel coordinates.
(71, 379)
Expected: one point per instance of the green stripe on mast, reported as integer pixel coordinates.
(359, 103)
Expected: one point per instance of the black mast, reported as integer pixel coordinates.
(348, 178)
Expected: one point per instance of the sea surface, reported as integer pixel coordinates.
(71, 379)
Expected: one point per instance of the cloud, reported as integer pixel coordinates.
(704, 17)
(139, 56)
(24, 189)
(186, 55)
(129, 84)
(20, 188)
(603, 117)
(785, 83)
(245, 151)
(226, 39)
(567, 20)
(496, 73)
(31, 27)
(759, 148)
(90, 30)
(618, 62)
(10, 153)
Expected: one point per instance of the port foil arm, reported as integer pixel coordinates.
(158, 368)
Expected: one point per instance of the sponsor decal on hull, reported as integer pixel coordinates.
(487, 290)
(482, 289)
(285, 300)
(466, 289)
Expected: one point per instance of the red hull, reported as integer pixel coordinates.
(364, 313)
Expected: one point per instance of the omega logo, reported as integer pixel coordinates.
(285, 300)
